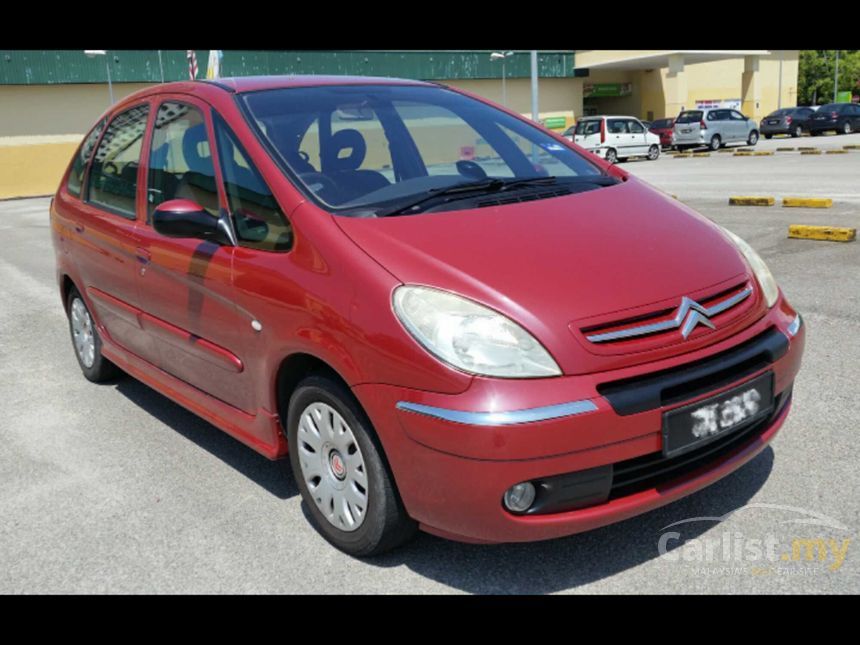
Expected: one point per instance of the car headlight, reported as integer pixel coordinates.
(469, 336)
(762, 273)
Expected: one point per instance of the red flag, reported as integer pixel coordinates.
(192, 63)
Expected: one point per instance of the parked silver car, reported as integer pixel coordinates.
(713, 127)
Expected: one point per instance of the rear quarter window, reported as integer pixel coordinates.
(82, 157)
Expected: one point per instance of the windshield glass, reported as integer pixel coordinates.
(690, 116)
(368, 147)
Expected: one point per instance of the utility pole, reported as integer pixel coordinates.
(836, 77)
(534, 86)
(779, 92)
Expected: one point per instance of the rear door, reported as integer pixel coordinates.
(105, 237)
(186, 285)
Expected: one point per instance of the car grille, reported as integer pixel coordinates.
(612, 333)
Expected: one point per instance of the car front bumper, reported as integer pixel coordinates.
(452, 470)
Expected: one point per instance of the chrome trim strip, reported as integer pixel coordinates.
(794, 326)
(697, 314)
(512, 417)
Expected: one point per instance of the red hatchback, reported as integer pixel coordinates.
(448, 317)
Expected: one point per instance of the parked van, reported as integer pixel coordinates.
(616, 137)
(713, 127)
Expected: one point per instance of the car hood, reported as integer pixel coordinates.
(553, 263)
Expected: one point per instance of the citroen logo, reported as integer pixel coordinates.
(688, 316)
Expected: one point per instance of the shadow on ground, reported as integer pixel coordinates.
(273, 476)
(535, 568)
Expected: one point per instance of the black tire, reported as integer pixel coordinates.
(386, 524)
(797, 131)
(715, 143)
(101, 369)
(752, 139)
(769, 136)
(846, 128)
(611, 155)
(653, 152)
(815, 133)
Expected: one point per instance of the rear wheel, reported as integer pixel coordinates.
(797, 132)
(768, 136)
(716, 142)
(846, 128)
(340, 470)
(753, 138)
(653, 152)
(87, 342)
(611, 155)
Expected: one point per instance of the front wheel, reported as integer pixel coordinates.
(87, 342)
(753, 138)
(653, 152)
(341, 473)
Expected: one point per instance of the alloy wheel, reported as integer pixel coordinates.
(82, 333)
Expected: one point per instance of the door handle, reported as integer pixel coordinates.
(143, 255)
(79, 228)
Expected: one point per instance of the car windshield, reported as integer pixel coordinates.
(363, 149)
(690, 116)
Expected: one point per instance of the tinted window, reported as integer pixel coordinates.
(380, 145)
(180, 161)
(635, 127)
(737, 116)
(113, 176)
(76, 176)
(258, 219)
(661, 123)
(830, 107)
(588, 127)
(716, 115)
(616, 126)
(690, 116)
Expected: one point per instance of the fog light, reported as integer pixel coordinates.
(519, 497)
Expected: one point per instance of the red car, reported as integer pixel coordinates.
(446, 316)
(663, 128)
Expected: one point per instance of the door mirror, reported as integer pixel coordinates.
(184, 218)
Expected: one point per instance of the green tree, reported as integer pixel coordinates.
(815, 74)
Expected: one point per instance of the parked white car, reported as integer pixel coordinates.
(616, 137)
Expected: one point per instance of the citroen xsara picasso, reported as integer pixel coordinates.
(447, 317)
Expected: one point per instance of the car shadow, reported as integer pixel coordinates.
(273, 476)
(567, 563)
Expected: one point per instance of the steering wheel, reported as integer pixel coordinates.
(318, 182)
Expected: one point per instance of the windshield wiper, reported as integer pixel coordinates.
(462, 191)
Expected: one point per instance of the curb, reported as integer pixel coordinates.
(828, 233)
(742, 154)
(836, 152)
(785, 149)
(701, 154)
(810, 152)
(751, 201)
(763, 153)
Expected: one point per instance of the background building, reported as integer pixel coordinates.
(49, 99)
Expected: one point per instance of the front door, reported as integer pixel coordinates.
(638, 140)
(186, 285)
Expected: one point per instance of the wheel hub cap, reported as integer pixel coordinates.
(332, 466)
(82, 333)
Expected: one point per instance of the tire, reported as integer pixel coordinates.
(768, 136)
(797, 131)
(611, 156)
(318, 457)
(653, 152)
(86, 341)
(753, 138)
(715, 143)
(846, 128)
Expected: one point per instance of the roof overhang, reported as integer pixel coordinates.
(656, 60)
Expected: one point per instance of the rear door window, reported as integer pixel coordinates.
(113, 177)
(79, 165)
(616, 126)
(585, 128)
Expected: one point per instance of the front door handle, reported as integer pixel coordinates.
(143, 255)
(79, 228)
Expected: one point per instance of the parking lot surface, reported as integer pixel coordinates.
(114, 488)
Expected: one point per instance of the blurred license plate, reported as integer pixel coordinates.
(694, 425)
(686, 130)
(773, 122)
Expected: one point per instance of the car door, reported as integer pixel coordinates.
(740, 126)
(105, 233)
(618, 136)
(587, 133)
(638, 137)
(186, 284)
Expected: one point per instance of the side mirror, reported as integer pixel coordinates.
(186, 219)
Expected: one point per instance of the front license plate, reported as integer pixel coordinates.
(699, 423)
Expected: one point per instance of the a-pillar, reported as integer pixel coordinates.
(675, 86)
(751, 87)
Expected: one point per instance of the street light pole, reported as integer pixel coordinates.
(779, 91)
(91, 53)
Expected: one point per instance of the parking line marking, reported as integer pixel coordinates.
(827, 233)
(807, 202)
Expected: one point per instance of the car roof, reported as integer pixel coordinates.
(607, 116)
(241, 84)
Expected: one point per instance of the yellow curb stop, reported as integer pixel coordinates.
(701, 154)
(851, 147)
(743, 154)
(785, 149)
(810, 152)
(828, 233)
(763, 153)
(751, 201)
(836, 152)
(807, 202)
